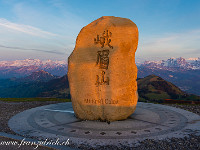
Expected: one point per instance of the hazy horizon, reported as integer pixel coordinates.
(137, 60)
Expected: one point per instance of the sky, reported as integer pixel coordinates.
(47, 29)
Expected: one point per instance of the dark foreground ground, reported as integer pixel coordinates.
(9, 109)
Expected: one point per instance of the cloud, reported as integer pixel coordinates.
(28, 38)
(32, 49)
(170, 44)
(25, 29)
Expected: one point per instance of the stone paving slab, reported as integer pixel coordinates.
(150, 121)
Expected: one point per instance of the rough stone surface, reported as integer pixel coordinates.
(102, 71)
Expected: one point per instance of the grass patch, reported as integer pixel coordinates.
(155, 96)
(34, 99)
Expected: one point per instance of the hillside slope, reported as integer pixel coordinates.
(186, 80)
(38, 76)
(154, 88)
(56, 88)
(150, 88)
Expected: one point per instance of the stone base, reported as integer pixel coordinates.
(150, 121)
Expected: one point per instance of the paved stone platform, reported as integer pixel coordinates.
(150, 121)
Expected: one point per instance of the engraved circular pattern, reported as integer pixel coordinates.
(58, 119)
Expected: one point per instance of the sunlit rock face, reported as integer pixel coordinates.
(102, 71)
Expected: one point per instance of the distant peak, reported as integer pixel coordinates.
(40, 75)
(41, 71)
(152, 75)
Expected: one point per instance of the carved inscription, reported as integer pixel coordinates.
(104, 39)
(103, 59)
(100, 101)
(102, 81)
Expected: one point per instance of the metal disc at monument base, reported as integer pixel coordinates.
(150, 121)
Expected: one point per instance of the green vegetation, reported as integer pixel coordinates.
(151, 88)
(154, 88)
(33, 99)
(56, 88)
(193, 97)
(158, 96)
(22, 90)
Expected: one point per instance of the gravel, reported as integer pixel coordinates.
(8, 109)
(192, 108)
(186, 143)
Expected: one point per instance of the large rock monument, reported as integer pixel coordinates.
(102, 71)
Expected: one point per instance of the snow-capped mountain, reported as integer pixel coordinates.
(39, 76)
(185, 73)
(174, 63)
(22, 68)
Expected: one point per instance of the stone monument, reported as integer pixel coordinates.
(102, 72)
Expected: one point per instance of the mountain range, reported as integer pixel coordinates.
(38, 76)
(150, 88)
(172, 64)
(23, 68)
(184, 73)
(38, 84)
